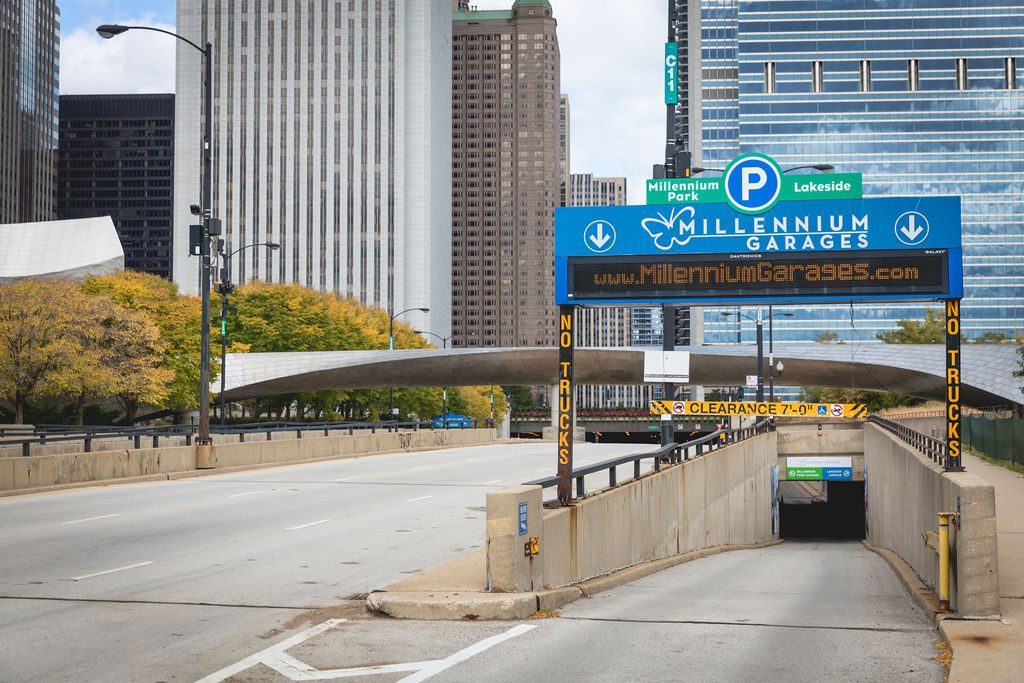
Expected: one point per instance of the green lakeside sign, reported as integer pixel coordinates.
(671, 74)
(794, 188)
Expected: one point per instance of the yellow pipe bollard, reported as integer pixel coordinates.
(944, 520)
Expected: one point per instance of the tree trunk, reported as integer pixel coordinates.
(19, 409)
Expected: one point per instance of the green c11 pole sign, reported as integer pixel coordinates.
(671, 75)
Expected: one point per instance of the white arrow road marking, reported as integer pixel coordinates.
(347, 478)
(462, 655)
(255, 659)
(109, 571)
(600, 239)
(307, 525)
(912, 230)
(91, 519)
(416, 500)
(293, 669)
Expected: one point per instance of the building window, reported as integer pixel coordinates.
(817, 77)
(1010, 66)
(865, 75)
(913, 75)
(961, 74)
(769, 77)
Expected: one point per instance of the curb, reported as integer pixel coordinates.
(922, 594)
(472, 605)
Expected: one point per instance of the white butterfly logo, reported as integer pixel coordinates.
(661, 226)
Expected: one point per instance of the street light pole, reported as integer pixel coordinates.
(444, 389)
(391, 347)
(760, 356)
(108, 31)
(204, 254)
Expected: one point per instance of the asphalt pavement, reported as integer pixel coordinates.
(172, 580)
(801, 611)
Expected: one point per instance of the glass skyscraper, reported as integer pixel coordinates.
(921, 97)
(29, 69)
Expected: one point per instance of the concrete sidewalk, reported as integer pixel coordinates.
(993, 651)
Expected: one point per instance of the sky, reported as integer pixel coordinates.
(611, 71)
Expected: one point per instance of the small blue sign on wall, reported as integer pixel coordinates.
(523, 519)
(836, 474)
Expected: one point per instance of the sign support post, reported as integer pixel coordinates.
(566, 428)
(953, 444)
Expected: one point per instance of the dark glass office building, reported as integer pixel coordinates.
(29, 69)
(921, 97)
(116, 158)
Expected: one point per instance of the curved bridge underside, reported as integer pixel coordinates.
(917, 370)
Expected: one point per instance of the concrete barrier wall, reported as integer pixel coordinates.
(905, 492)
(801, 441)
(721, 498)
(50, 470)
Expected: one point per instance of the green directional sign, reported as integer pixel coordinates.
(793, 188)
(804, 473)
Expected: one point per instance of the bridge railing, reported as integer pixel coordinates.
(928, 445)
(48, 435)
(670, 454)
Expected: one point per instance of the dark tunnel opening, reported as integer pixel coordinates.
(832, 509)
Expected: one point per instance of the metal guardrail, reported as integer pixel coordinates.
(670, 454)
(44, 435)
(929, 445)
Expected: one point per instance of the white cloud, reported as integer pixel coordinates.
(134, 62)
(611, 70)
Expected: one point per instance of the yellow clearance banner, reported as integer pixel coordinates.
(848, 410)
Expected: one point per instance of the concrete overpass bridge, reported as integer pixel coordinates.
(915, 370)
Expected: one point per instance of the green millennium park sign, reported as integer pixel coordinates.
(792, 188)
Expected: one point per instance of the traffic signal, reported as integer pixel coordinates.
(682, 327)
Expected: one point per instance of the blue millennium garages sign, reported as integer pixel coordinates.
(896, 248)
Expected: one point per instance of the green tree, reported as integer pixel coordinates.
(990, 337)
(1019, 372)
(520, 398)
(932, 330)
(828, 337)
(875, 400)
(178, 319)
(40, 333)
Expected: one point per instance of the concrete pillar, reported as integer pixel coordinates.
(510, 569)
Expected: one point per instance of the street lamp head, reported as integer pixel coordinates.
(779, 367)
(824, 168)
(424, 310)
(108, 31)
(787, 315)
(273, 245)
(700, 169)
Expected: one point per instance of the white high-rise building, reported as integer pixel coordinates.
(331, 137)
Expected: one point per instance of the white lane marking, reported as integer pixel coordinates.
(247, 493)
(307, 525)
(293, 669)
(90, 519)
(347, 478)
(255, 659)
(421, 467)
(496, 481)
(462, 655)
(110, 571)
(416, 500)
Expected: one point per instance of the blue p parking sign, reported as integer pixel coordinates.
(753, 183)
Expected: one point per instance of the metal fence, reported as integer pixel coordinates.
(670, 454)
(150, 437)
(1001, 438)
(929, 445)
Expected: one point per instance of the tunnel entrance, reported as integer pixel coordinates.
(821, 509)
